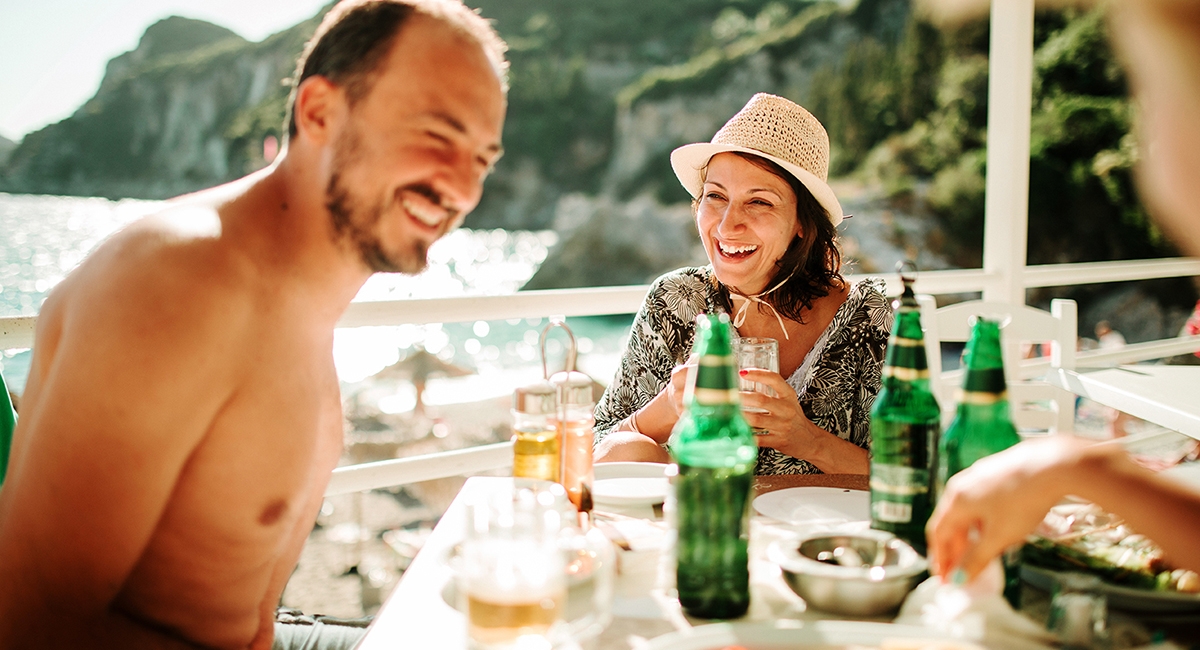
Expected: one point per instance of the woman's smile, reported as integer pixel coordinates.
(736, 251)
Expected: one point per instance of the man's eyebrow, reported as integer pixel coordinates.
(454, 123)
(449, 121)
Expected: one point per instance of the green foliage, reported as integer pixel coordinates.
(1083, 204)
(706, 70)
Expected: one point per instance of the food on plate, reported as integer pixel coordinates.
(1083, 537)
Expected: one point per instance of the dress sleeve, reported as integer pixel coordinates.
(660, 339)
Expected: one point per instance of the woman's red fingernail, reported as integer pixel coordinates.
(743, 372)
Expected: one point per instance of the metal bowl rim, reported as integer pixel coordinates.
(786, 553)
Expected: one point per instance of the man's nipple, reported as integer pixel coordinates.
(272, 512)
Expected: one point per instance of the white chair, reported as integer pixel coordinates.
(1037, 407)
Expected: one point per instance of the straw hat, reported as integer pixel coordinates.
(777, 129)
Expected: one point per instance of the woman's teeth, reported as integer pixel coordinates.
(429, 215)
(736, 250)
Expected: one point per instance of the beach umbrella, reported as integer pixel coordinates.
(418, 367)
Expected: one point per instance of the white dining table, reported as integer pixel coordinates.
(419, 613)
(1168, 396)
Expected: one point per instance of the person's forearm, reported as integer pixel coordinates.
(833, 455)
(656, 419)
(1159, 508)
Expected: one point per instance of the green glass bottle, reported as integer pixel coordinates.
(8, 422)
(982, 423)
(905, 430)
(715, 451)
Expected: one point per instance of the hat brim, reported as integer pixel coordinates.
(688, 160)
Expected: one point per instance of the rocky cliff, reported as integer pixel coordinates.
(188, 108)
(6, 148)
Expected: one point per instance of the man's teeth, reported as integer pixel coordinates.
(735, 250)
(430, 216)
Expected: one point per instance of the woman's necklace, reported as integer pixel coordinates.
(740, 316)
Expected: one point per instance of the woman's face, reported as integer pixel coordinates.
(746, 217)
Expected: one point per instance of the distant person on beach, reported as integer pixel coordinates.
(999, 500)
(1107, 337)
(182, 413)
(768, 221)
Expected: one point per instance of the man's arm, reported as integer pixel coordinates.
(1000, 499)
(140, 367)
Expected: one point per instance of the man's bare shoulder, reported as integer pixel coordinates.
(171, 274)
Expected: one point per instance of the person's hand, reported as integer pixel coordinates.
(675, 388)
(996, 503)
(783, 426)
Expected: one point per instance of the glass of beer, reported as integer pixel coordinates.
(511, 571)
(758, 353)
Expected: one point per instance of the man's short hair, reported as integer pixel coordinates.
(356, 35)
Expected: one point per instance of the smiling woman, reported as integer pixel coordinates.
(767, 220)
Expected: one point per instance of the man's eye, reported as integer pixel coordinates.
(438, 136)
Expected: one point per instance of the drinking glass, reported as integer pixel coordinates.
(1078, 612)
(512, 574)
(758, 353)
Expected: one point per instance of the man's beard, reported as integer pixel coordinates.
(358, 225)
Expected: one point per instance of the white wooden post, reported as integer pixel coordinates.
(1010, 96)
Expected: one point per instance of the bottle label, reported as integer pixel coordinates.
(713, 396)
(906, 374)
(905, 342)
(979, 398)
(893, 490)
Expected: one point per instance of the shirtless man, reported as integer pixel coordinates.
(999, 500)
(182, 413)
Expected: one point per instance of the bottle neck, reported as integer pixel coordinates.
(906, 361)
(715, 382)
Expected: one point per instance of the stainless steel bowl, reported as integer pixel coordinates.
(864, 573)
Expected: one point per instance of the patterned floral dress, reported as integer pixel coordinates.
(837, 383)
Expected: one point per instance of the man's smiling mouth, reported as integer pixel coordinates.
(430, 215)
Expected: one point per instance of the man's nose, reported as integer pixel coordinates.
(463, 184)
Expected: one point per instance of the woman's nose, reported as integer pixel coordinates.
(732, 221)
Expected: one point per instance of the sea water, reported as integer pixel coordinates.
(43, 238)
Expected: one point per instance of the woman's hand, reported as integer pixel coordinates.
(783, 426)
(675, 388)
(656, 419)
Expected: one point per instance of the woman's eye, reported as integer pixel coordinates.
(713, 196)
(439, 137)
(760, 202)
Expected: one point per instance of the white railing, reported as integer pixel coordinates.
(18, 332)
(427, 467)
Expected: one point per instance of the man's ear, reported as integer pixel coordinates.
(319, 103)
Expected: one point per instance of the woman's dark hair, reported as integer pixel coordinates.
(355, 35)
(811, 265)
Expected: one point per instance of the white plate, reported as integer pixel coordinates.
(810, 634)
(1125, 598)
(629, 470)
(630, 491)
(815, 505)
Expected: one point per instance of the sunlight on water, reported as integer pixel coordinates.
(43, 238)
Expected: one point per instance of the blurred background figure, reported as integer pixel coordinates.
(998, 501)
